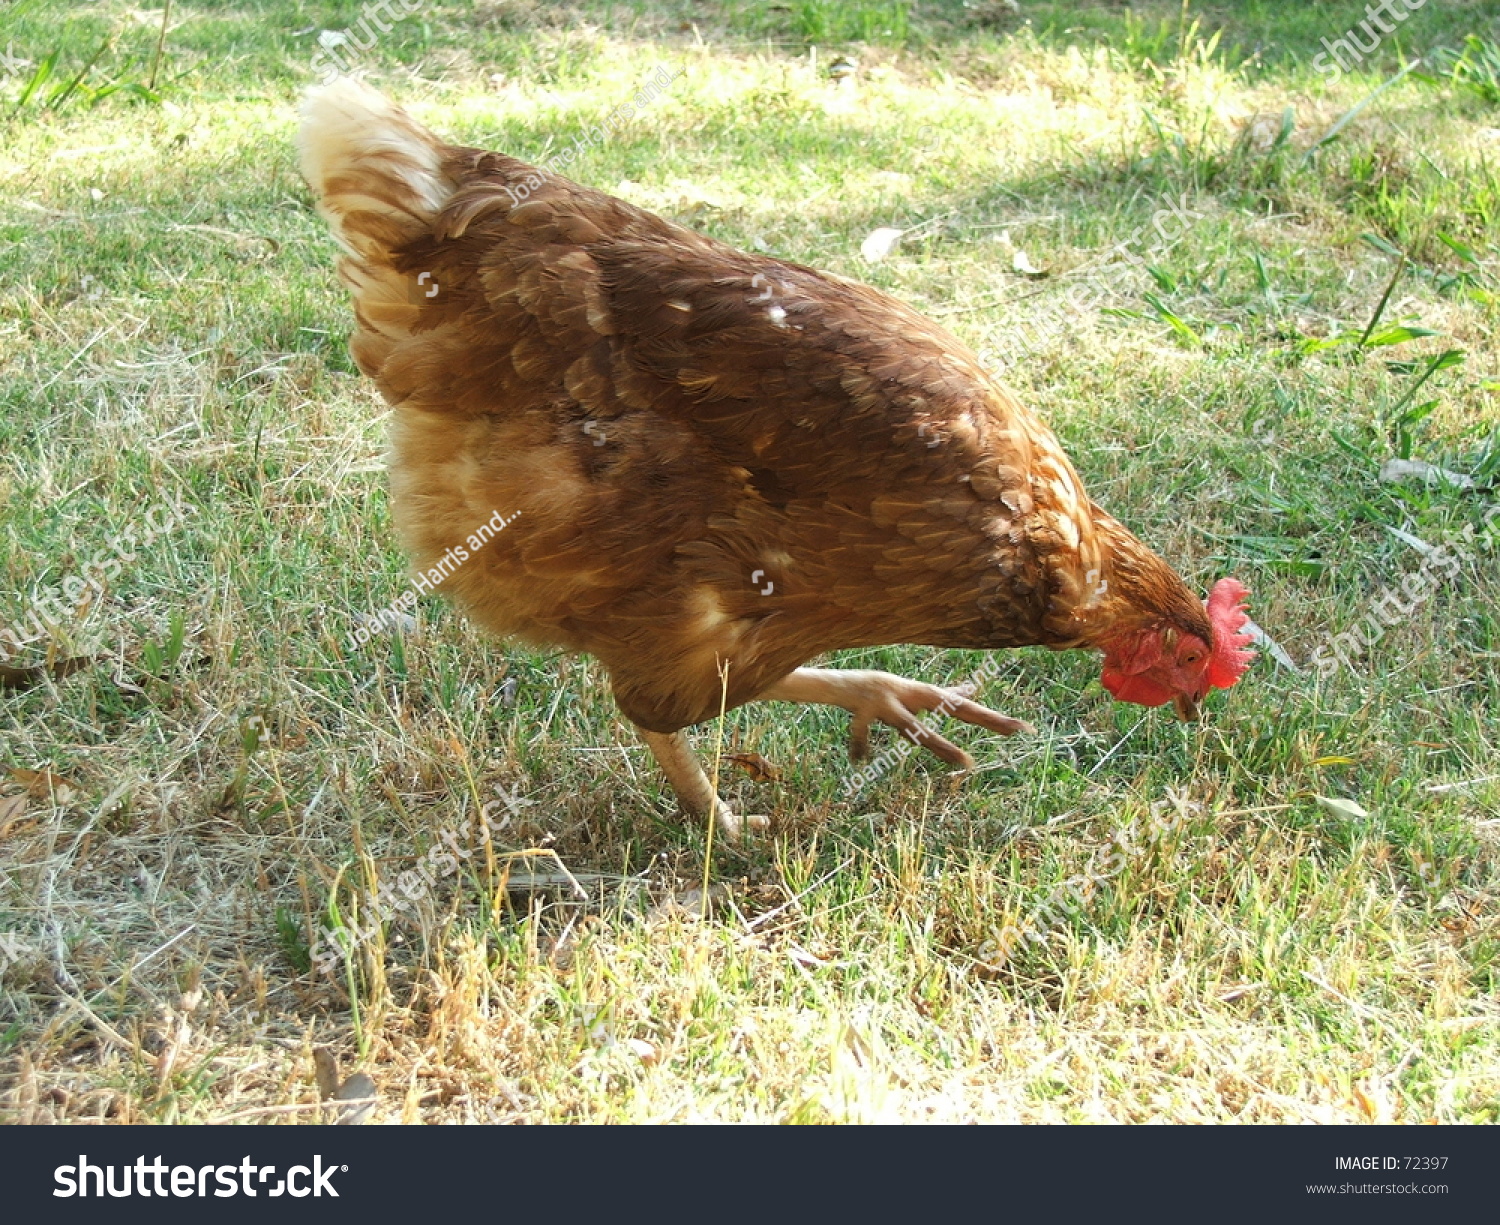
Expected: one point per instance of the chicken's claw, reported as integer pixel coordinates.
(734, 826)
(881, 697)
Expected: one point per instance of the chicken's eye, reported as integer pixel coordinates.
(1192, 657)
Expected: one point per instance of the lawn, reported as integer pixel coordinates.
(1240, 282)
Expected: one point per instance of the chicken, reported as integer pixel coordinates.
(715, 466)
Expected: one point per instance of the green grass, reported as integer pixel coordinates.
(233, 772)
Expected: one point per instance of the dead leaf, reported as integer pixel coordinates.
(326, 1071)
(880, 243)
(688, 903)
(1421, 470)
(359, 1092)
(1416, 542)
(43, 785)
(1021, 263)
(25, 678)
(756, 766)
(641, 1049)
(1239, 992)
(12, 809)
(1347, 809)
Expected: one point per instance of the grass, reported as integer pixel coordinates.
(1217, 936)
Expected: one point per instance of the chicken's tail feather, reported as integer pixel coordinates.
(378, 174)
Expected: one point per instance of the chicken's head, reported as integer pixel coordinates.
(1158, 666)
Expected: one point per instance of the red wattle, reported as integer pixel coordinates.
(1138, 689)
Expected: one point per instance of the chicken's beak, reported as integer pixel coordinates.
(1187, 708)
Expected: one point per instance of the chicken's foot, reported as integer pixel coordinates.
(882, 697)
(684, 772)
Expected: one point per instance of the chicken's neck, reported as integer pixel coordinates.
(1128, 591)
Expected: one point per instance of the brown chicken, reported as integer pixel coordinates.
(713, 466)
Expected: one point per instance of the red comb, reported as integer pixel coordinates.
(1227, 615)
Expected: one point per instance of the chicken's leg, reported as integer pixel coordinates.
(680, 764)
(880, 696)
(868, 696)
